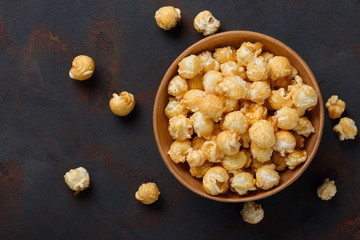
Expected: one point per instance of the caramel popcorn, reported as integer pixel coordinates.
(211, 82)
(225, 54)
(196, 82)
(346, 128)
(335, 106)
(236, 122)
(231, 68)
(203, 126)
(199, 171)
(247, 52)
(82, 68)
(148, 193)
(190, 66)
(279, 99)
(216, 181)
(192, 98)
(167, 17)
(287, 118)
(174, 108)
(233, 87)
(260, 154)
(229, 104)
(252, 213)
(208, 62)
(258, 92)
(195, 158)
(295, 158)
(267, 178)
(304, 127)
(211, 106)
(122, 104)
(179, 150)
(212, 151)
(253, 112)
(197, 143)
(180, 127)
(228, 142)
(77, 179)
(257, 69)
(279, 161)
(177, 87)
(234, 162)
(279, 67)
(326, 190)
(262, 134)
(242, 182)
(206, 23)
(285, 142)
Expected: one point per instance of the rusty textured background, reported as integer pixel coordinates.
(50, 123)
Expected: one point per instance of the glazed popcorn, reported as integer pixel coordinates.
(285, 142)
(228, 142)
(178, 87)
(252, 213)
(295, 158)
(148, 193)
(242, 182)
(257, 69)
(247, 52)
(167, 17)
(174, 108)
(236, 122)
(179, 150)
(208, 62)
(82, 68)
(122, 104)
(262, 134)
(237, 118)
(279, 67)
(190, 66)
(180, 127)
(216, 181)
(267, 178)
(346, 129)
(326, 190)
(225, 54)
(77, 179)
(287, 118)
(335, 106)
(206, 23)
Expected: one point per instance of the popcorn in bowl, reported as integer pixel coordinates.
(248, 116)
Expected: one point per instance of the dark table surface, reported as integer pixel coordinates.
(50, 123)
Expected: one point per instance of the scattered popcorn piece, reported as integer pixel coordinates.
(122, 104)
(177, 87)
(247, 52)
(267, 178)
(211, 106)
(262, 134)
(252, 213)
(257, 69)
(228, 142)
(242, 182)
(216, 181)
(304, 127)
(206, 23)
(77, 179)
(212, 151)
(225, 54)
(279, 67)
(192, 98)
(148, 193)
(236, 122)
(82, 68)
(199, 171)
(203, 126)
(174, 108)
(258, 91)
(346, 128)
(335, 106)
(167, 17)
(285, 142)
(326, 190)
(180, 127)
(178, 151)
(190, 66)
(295, 158)
(287, 118)
(209, 63)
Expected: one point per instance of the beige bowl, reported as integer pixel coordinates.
(235, 38)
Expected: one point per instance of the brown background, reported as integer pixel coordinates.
(50, 123)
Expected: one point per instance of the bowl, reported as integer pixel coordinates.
(235, 38)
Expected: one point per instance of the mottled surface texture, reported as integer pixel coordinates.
(50, 123)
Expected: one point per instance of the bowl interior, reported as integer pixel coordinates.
(234, 39)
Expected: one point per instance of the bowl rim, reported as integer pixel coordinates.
(249, 34)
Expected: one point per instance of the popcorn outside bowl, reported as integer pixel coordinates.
(234, 39)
